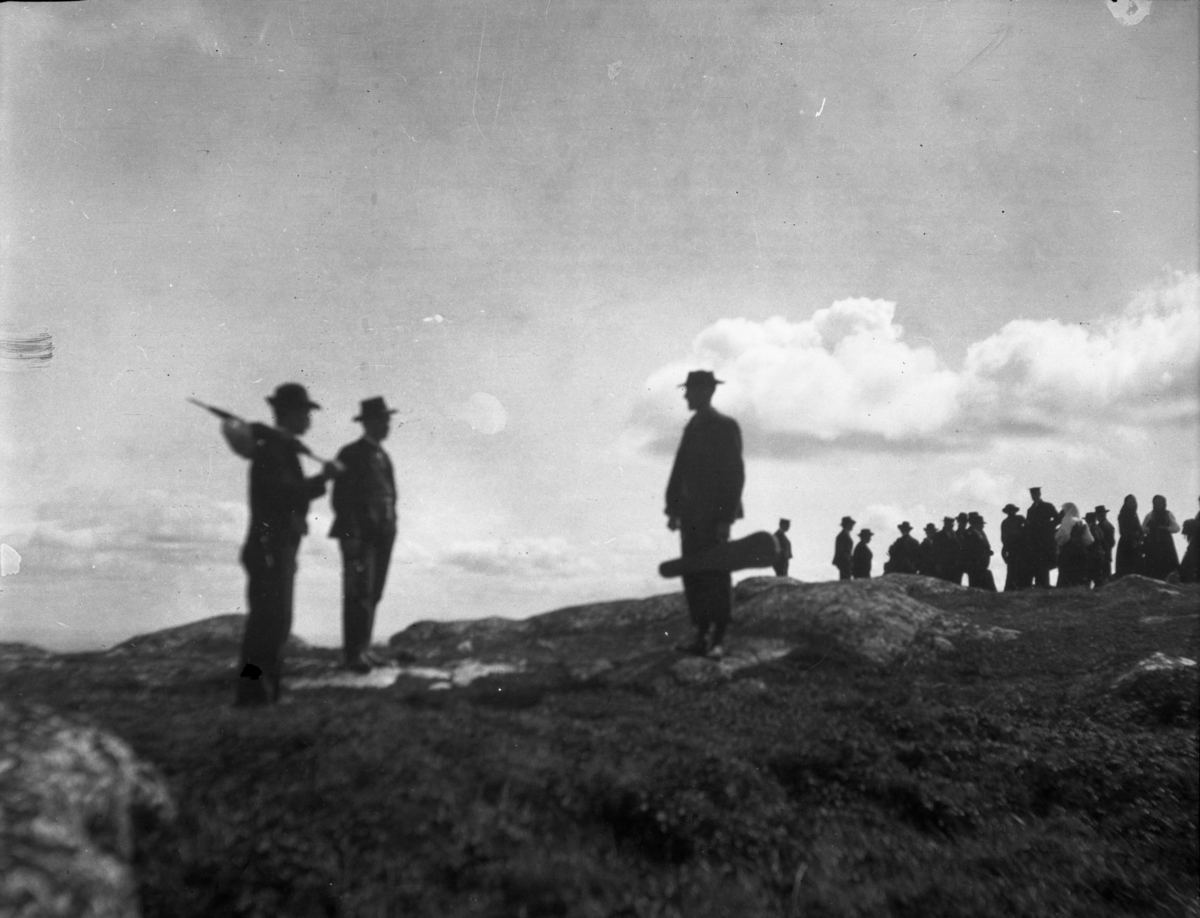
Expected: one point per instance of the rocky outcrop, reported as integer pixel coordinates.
(219, 634)
(68, 797)
(1168, 687)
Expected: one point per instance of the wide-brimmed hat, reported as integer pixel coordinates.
(963, 516)
(865, 532)
(374, 408)
(1011, 508)
(974, 517)
(930, 527)
(847, 521)
(289, 396)
(1102, 509)
(905, 526)
(703, 378)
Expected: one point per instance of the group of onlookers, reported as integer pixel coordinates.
(1082, 547)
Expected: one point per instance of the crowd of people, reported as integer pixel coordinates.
(1083, 547)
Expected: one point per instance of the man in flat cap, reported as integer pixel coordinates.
(785, 548)
(364, 523)
(279, 498)
(1041, 523)
(704, 498)
(843, 550)
(861, 568)
(904, 553)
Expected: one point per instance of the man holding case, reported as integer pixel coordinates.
(704, 497)
(364, 506)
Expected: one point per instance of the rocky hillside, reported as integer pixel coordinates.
(892, 747)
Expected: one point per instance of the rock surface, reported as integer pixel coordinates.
(68, 796)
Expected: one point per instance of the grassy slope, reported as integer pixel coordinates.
(994, 779)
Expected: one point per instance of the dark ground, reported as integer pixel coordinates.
(991, 778)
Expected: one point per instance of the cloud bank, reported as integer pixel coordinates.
(846, 376)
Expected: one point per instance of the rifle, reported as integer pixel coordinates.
(237, 434)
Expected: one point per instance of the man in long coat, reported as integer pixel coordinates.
(927, 558)
(1041, 522)
(863, 555)
(704, 498)
(279, 498)
(843, 550)
(1109, 538)
(904, 553)
(364, 504)
(1013, 549)
(945, 545)
(785, 548)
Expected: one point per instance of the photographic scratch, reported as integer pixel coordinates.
(478, 59)
(822, 108)
(996, 42)
(25, 350)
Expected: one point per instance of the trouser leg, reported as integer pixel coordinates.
(358, 568)
(269, 593)
(709, 593)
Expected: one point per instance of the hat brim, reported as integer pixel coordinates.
(376, 414)
(308, 405)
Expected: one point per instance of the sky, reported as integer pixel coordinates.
(940, 252)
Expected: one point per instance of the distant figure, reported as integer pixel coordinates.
(1130, 547)
(1096, 562)
(862, 556)
(1161, 558)
(904, 553)
(960, 544)
(704, 498)
(927, 557)
(843, 550)
(1108, 537)
(1189, 567)
(1041, 522)
(785, 548)
(1073, 539)
(978, 554)
(279, 498)
(1013, 549)
(364, 504)
(945, 547)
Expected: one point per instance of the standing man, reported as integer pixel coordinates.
(863, 555)
(843, 550)
(1041, 523)
(785, 548)
(1109, 538)
(977, 551)
(927, 558)
(904, 553)
(704, 498)
(1013, 549)
(279, 498)
(364, 523)
(945, 547)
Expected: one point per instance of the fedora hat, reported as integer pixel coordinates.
(374, 408)
(865, 532)
(847, 521)
(703, 378)
(289, 396)
(1011, 508)
(905, 526)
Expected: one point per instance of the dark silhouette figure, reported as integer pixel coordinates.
(1130, 547)
(1189, 567)
(279, 499)
(704, 498)
(1014, 550)
(927, 556)
(1041, 523)
(785, 548)
(862, 556)
(960, 544)
(1108, 536)
(843, 550)
(977, 554)
(1072, 558)
(945, 546)
(904, 553)
(1161, 558)
(364, 523)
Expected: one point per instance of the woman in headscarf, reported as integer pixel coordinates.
(1158, 528)
(1072, 538)
(1129, 548)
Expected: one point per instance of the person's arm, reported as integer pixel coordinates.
(731, 473)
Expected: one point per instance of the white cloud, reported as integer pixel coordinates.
(847, 375)
(539, 557)
(983, 489)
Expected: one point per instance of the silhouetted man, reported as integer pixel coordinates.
(1013, 549)
(960, 543)
(945, 546)
(1108, 536)
(785, 548)
(904, 553)
(1041, 522)
(843, 550)
(704, 498)
(977, 554)
(927, 557)
(279, 498)
(364, 523)
(862, 556)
